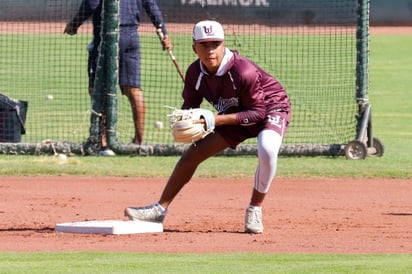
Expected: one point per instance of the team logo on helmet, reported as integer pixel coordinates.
(208, 30)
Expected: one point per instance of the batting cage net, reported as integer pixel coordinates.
(310, 46)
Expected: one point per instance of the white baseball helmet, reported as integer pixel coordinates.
(208, 31)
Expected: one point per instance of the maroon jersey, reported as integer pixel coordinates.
(239, 86)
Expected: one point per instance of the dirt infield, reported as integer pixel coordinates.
(300, 215)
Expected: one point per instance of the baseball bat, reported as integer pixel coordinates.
(171, 55)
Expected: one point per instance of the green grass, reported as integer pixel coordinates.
(390, 165)
(390, 70)
(98, 262)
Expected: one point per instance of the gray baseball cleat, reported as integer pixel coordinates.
(151, 213)
(253, 220)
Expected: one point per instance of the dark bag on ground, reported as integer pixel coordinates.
(12, 119)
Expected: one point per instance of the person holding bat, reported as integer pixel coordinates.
(129, 49)
(250, 103)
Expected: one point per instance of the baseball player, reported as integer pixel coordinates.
(250, 103)
(129, 49)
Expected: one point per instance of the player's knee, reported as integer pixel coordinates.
(130, 91)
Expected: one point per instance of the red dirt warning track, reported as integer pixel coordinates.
(300, 215)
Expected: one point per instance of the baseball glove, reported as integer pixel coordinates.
(183, 128)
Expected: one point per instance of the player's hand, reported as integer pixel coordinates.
(201, 121)
(166, 43)
(70, 30)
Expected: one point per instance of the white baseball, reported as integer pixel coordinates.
(62, 156)
(50, 97)
(159, 124)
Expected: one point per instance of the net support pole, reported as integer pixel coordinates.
(362, 68)
(364, 144)
(110, 45)
(110, 40)
(104, 99)
(362, 54)
(93, 144)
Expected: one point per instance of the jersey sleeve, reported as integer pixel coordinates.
(192, 98)
(155, 15)
(86, 9)
(251, 96)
